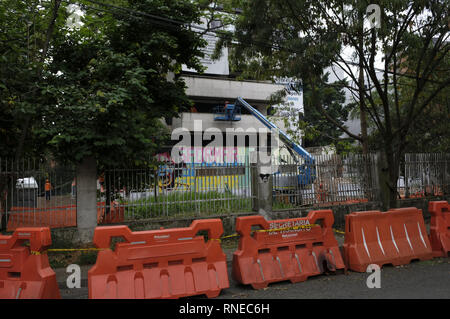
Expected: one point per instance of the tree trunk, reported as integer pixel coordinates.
(393, 177)
(388, 176)
(362, 110)
(362, 113)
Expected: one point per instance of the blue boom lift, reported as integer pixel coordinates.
(232, 112)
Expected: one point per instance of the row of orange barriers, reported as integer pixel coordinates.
(174, 263)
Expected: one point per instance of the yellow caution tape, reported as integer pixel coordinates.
(64, 250)
(230, 236)
(339, 231)
(219, 239)
(225, 237)
(74, 249)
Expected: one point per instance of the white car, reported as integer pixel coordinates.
(27, 182)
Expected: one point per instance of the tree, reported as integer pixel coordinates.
(97, 90)
(26, 29)
(109, 81)
(318, 131)
(300, 39)
(429, 132)
(24, 44)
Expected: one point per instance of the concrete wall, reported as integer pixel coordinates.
(212, 88)
(186, 120)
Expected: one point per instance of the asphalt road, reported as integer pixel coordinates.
(418, 280)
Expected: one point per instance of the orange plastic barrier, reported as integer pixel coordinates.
(395, 237)
(24, 272)
(167, 263)
(440, 228)
(296, 254)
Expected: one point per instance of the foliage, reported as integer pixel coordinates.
(107, 101)
(319, 131)
(24, 28)
(299, 39)
(253, 56)
(99, 88)
(187, 204)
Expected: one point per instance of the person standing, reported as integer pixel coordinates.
(74, 188)
(48, 188)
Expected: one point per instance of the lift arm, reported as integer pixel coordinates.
(283, 136)
(306, 171)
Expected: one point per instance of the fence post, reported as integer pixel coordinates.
(262, 185)
(86, 199)
(254, 180)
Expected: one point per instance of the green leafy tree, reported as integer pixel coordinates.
(26, 31)
(299, 39)
(112, 79)
(98, 89)
(319, 131)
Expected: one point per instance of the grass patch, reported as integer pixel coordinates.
(63, 259)
(281, 205)
(187, 204)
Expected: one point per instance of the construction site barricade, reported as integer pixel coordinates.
(395, 237)
(25, 272)
(166, 263)
(294, 253)
(440, 228)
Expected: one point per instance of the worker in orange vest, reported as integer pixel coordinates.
(74, 188)
(48, 188)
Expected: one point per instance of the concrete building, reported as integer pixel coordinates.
(207, 92)
(216, 87)
(211, 91)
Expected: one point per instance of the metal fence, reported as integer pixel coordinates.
(36, 192)
(424, 175)
(196, 190)
(335, 180)
(175, 190)
(170, 191)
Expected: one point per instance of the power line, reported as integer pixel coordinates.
(169, 22)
